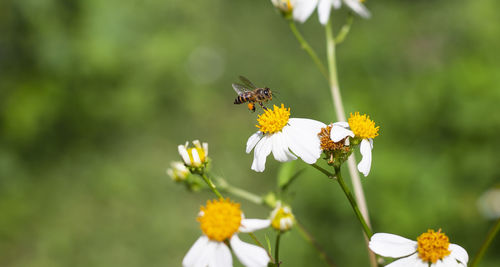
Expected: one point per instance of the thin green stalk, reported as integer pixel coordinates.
(309, 238)
(305, 45)
(487, 242)
(211, 185)
(251, 197)
(277, 249)
(327, 173)
(354, 205)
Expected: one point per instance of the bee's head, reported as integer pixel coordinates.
(268, 92)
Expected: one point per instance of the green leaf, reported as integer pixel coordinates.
(268, 243)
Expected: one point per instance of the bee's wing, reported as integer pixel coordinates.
(247, 82)
(239, 88)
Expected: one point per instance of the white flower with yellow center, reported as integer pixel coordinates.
(358, 127)
(178, 171)
(285, 137)
(432, 249)
(220, 222)
(325, 7)
(282, 218)
(194, 156)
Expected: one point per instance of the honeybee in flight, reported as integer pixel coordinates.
(248, 92)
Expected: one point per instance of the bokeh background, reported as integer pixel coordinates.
(96, 95)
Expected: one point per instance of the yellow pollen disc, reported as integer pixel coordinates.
(220, 219)
(433, 246)
(273, 121)
(362, 126)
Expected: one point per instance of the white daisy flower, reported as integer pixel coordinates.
(286, 138)
(220, 222)
(358, 127)
(432, 249)
(303, 9)
(178, 171)
(282, 218)
(194, 156)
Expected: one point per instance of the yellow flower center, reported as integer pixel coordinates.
(273, 121)
(362, 126)
(220, 219)
(433, 246)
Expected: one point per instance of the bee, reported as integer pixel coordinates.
(251, 94)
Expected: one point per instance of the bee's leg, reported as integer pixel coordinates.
(264, 108)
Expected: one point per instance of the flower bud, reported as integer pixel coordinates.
(178, 172)
(194, 156)
(282, 218)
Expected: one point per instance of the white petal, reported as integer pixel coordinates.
(260, 154)
(222, 257)
(366, 161)
(280, 148)
(410, 261)
(459, 253)
(248, 254)
(341, 124)
(253, 140)
(196, 157)
(302, 138)
(200, 254)
(336, 4)
(357, 7)
(324, 8)
(251, 225)
(338, 133)
(205, 148)
(389, 245)
(184, 154)
(303, 9)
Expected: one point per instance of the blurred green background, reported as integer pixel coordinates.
(96, 95)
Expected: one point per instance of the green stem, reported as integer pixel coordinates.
(310, 51)
(327, 173)
(309, 238)
(235, 191)
(487, 242)
(210, 184)
(354, 205)
(277, 249)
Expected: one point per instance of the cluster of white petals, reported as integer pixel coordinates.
(196, 156)
(302, 9)
(298, 138)
(206, 252)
